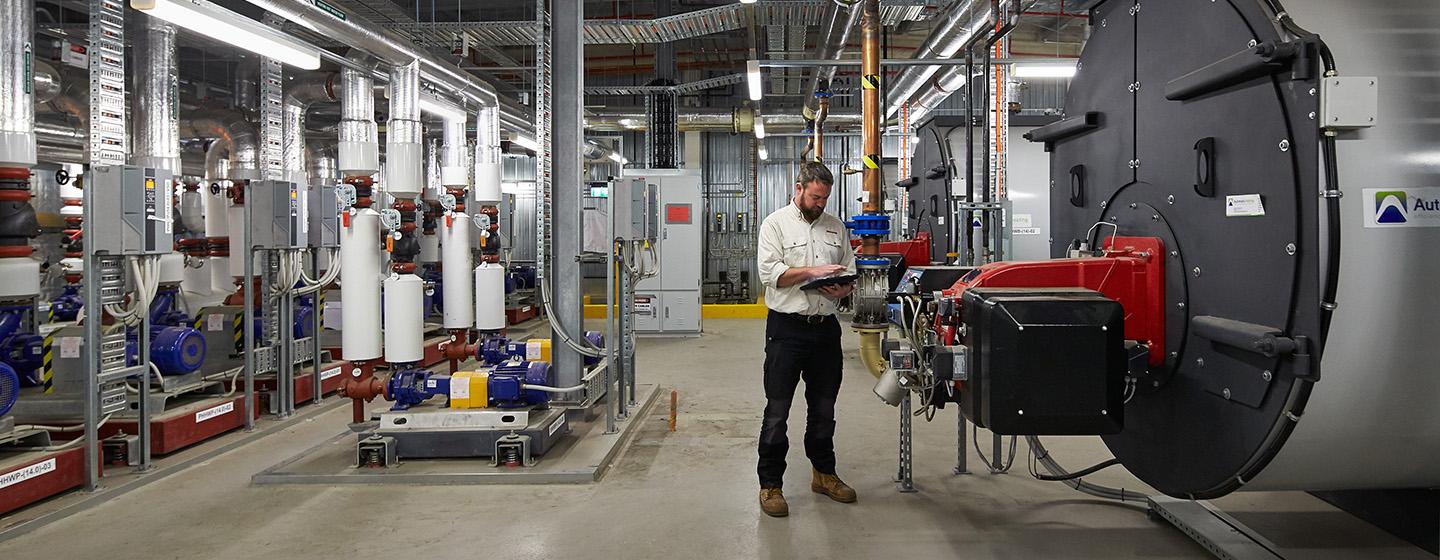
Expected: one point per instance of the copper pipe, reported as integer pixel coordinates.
(872, 114)
(818, 139)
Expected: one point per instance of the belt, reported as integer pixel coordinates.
(810, 319)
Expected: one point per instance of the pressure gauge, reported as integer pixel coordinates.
(390, 218)
(447, 201)
(345, 194)
(482, 221)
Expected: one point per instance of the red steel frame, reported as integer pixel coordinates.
(69, 473)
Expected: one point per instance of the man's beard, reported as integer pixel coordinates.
(811, 214)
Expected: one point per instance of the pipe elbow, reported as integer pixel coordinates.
(870, 353)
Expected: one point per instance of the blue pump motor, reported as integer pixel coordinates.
(23, 352)
(597, 340)
(410, 387)
(177, 350)
(304, 326)
(9, 388)
(505, 386)
(507, 381)
(495, 350)
(67, 306)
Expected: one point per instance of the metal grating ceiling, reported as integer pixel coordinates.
(689, 25)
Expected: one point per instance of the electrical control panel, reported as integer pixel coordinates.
(278, 219)
(633, 202)
(322, 209)
(143, 224)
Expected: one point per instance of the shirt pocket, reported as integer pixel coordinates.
(794, 251)
(832, 246)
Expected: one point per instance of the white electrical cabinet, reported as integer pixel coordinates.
(669, 302)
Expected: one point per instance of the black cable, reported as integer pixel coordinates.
(1077, 474)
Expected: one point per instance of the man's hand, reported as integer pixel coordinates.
(838, 291)
(824, 270)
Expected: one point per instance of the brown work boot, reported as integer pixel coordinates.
(831, 485)
(772, 502)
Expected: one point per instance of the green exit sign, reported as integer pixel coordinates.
(332, 10)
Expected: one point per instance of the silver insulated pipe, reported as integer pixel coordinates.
(488, 171)
(453, 169)
(956, 26)
(300, 94)
(17, 85)
(157, 112)
(840, 19)
(359, 148)
(403, 158)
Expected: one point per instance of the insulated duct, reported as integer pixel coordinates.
(365, 35)
(17, 86)
(839, 19)
(712, 120)
(488, 172)
(359, 148)
(300, 94)
(157, 103)
(404, 160)
(454, 172)
(236, 133)
(960, 24)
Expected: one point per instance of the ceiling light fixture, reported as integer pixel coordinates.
(1044, 70)
(752, 76)
(215, 22)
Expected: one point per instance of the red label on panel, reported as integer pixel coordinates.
(677, 213)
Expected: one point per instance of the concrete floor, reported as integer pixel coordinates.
(689, 493)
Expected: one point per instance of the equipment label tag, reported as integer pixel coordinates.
(556, 426)
(459, 388)
(332, 372)
(1026, 231)
(32, 471)
(70, 346)
(1401, 207)
(215, 322)
(1244, 205)
(214, 411)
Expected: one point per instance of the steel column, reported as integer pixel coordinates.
(567, 137)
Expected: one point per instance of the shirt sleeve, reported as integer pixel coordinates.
(770, 256)
(848, 258)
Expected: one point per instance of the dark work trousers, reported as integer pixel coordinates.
(795, 349)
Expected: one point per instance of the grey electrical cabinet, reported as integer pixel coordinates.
(633, 201)
(277, 218)
(322, 215)
(674, 292)
(136, 213)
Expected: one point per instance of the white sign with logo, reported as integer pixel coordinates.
(1401, 207)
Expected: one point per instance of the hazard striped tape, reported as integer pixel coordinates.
(870, 81)
(872, 161)
(239, 332)
(47, 364)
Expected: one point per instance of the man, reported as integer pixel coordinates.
(800, 243)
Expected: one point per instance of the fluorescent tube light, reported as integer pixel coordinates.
(759, 128)
(1044, 70)
(525, 142)
(752, 75)
(215, 22)
(443, 109)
